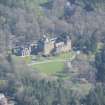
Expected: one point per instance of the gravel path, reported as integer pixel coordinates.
(50, 61)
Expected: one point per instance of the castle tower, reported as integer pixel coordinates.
(48, 46)
(69, 46)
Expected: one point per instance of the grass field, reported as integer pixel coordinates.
(50, 68)
(53, 67)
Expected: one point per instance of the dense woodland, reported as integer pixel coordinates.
(25, 21)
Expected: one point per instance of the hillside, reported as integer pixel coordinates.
(75, 77)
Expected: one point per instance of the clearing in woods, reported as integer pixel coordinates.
(48, 65)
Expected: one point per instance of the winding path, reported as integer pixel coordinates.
(50, 61)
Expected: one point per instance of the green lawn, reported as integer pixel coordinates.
(29, 59)
(49, 68)
(67, 55)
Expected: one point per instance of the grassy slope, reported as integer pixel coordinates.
(50, 68)
(53, 67)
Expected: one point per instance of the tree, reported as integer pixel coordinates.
(96, 96)
(100, 65)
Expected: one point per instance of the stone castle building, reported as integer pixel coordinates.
(57, 45)
(45, 47)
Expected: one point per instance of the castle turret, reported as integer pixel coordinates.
(48, 46)
(69, 43)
